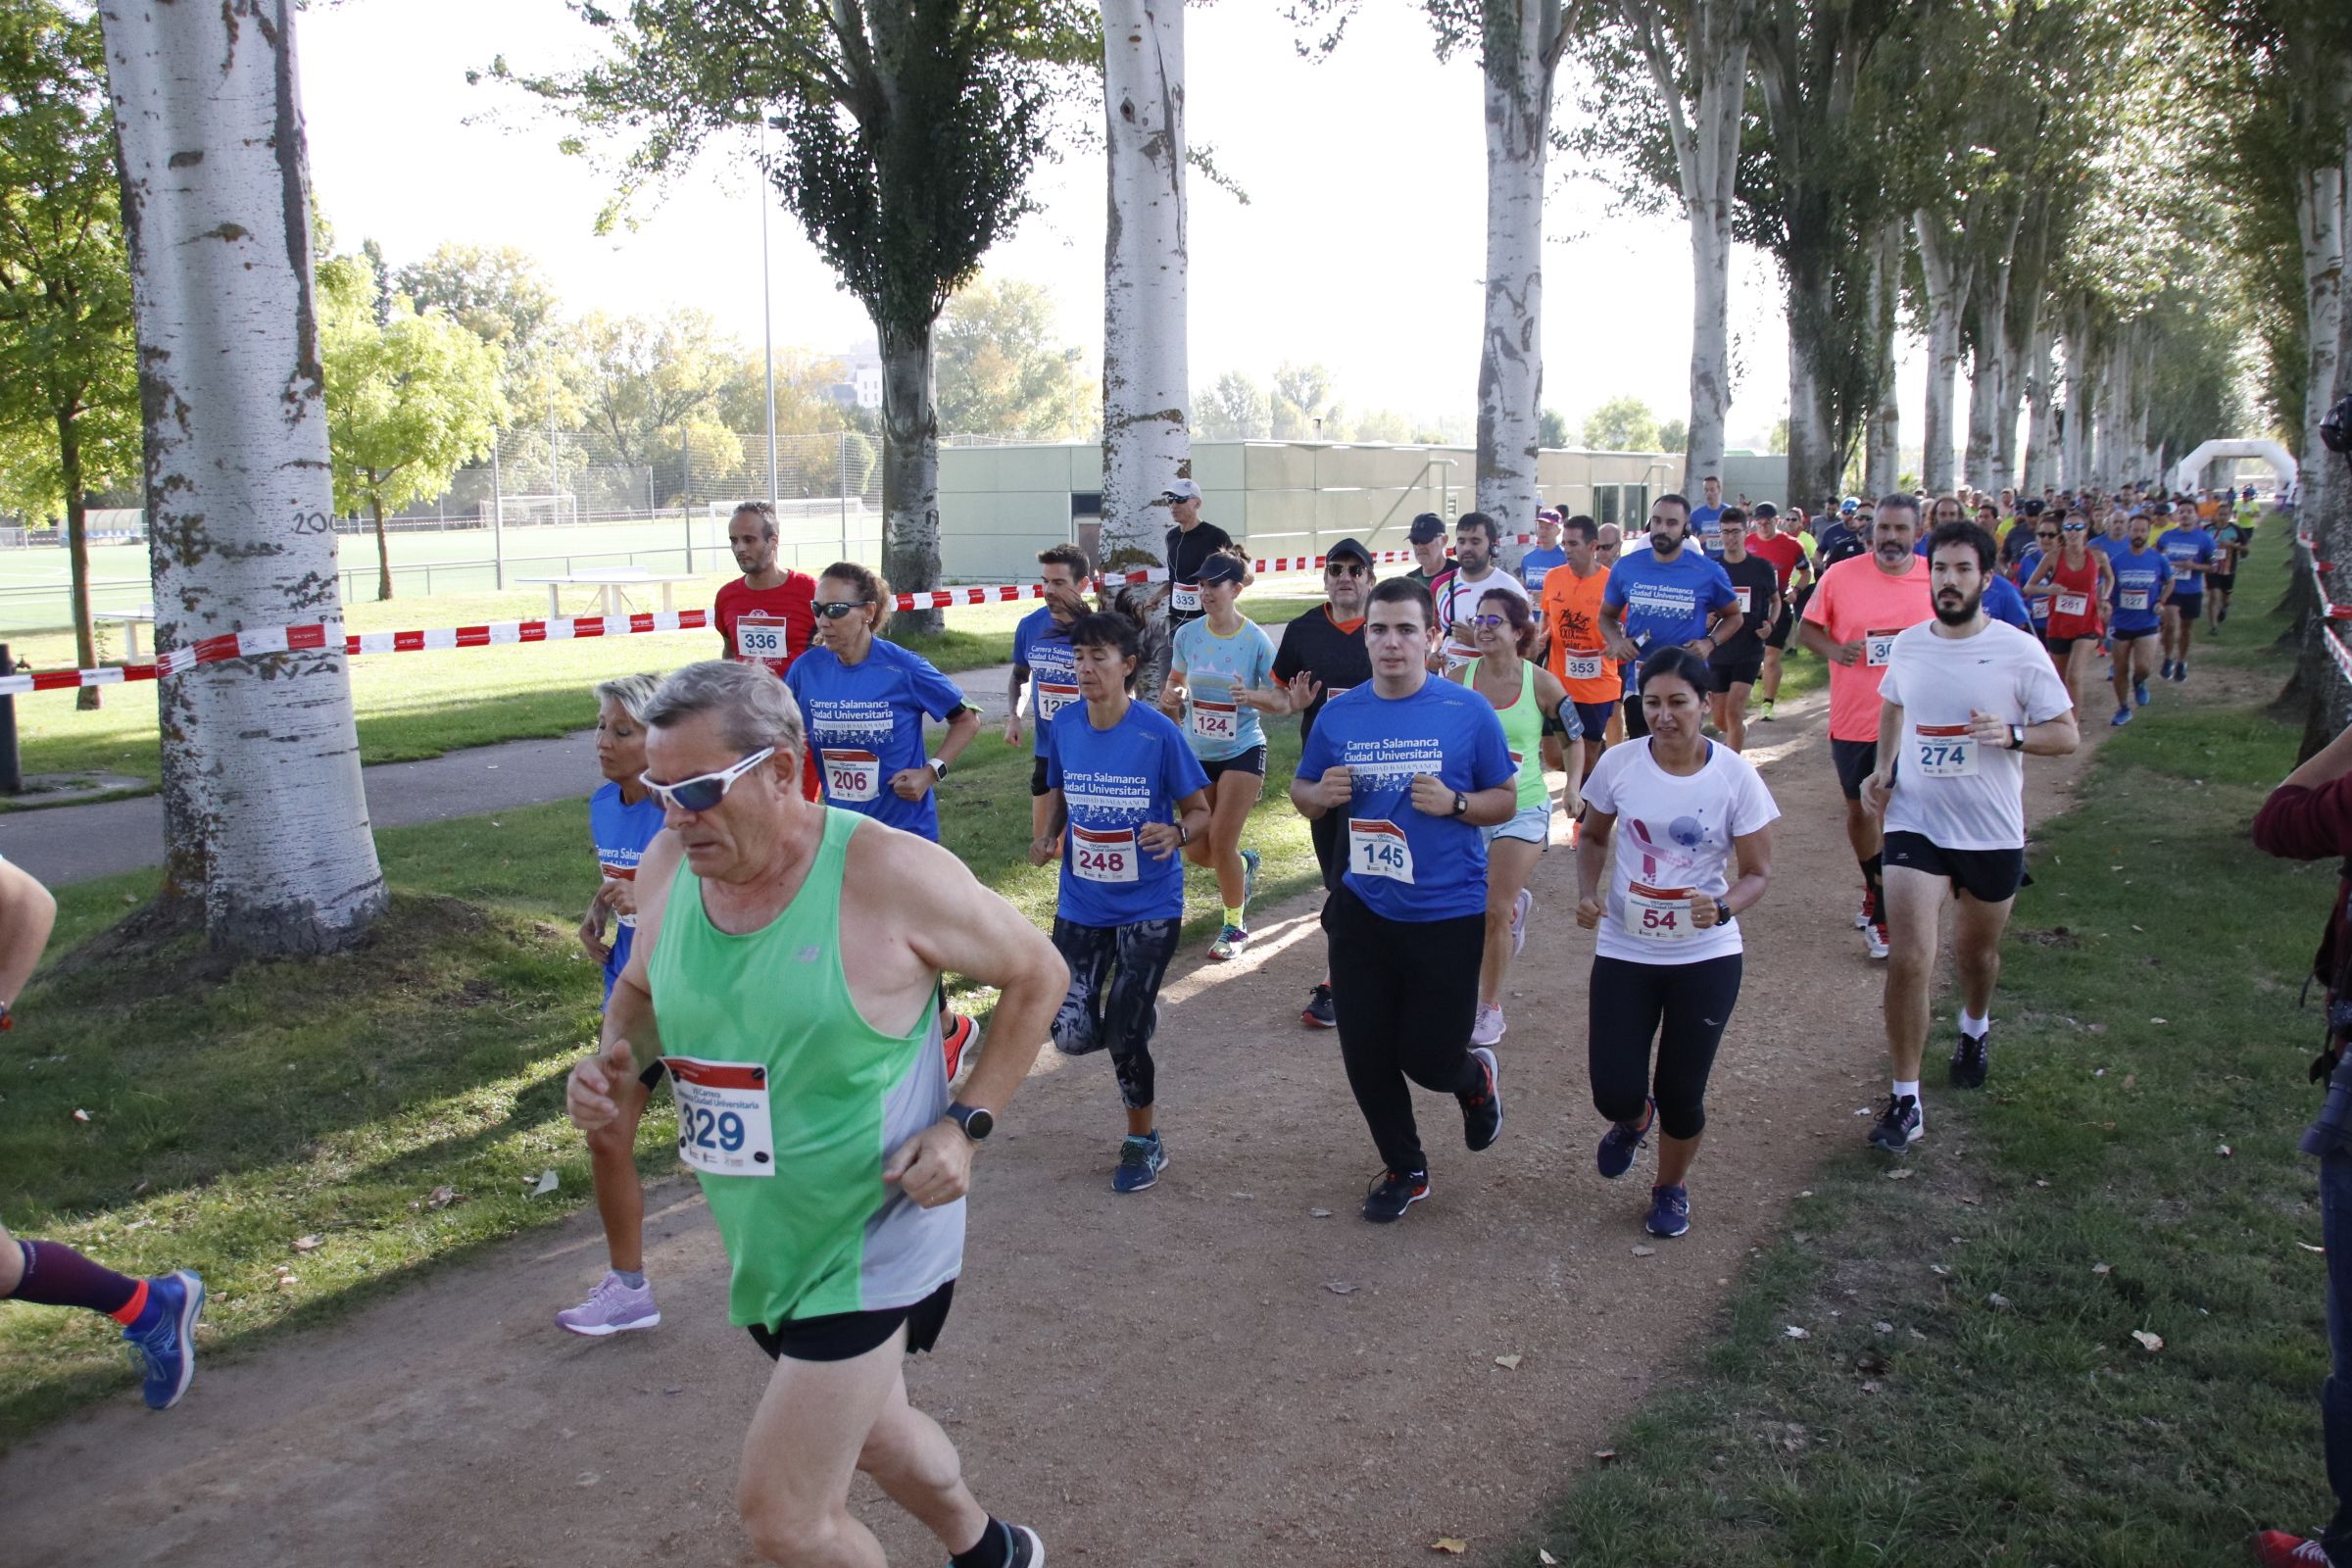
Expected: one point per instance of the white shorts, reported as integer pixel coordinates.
(1532, 825)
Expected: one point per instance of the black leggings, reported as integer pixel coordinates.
(1627, 1003)
(1406, 993)
(1119, 1010)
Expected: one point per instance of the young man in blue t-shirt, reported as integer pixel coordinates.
(1547, 555)
(1123, 781)
(1419, 765)
(2144, 584)
(1706, 519)
(1666, 594)
(1043, 661)
(2190, 548)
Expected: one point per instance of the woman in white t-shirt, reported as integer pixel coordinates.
(1666, 963)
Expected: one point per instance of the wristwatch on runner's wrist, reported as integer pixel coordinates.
(1461, 803)
(1723, 912)
(977, 1121)
(939, 767)
(2016, 737)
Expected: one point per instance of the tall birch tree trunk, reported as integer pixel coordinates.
(909, 468)
(2040, 468)
(1520, 54)
(1815, 465)
(2320, 196)
(1944, 264)
(1147, 440)
(1883, 446)
(1988, 363)
(266, 815)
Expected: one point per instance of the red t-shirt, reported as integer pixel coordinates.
(1782, 550)
(2077, 610)
(779, 624)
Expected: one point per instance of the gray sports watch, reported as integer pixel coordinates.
(977, 1121)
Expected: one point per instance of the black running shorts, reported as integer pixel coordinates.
(1856, 760)
(1988, 876)
(846, 1336)
(1252, 761)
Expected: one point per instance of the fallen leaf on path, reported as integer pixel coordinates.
(81, 1114)
(442, 1196)
(1898, 1175)
(306, 1244)
(1545, 1557)
(2102, 1268)
(2308, 1248)
(1870, 1387)
(1969, 1200)
(1915, 1334)
(1507, 1363)
(1795, 1333)
(1646, 1252)
(1997, 1301)
(1940, 1269)
(1604, 1455)
(2159, 1020)
(286, 1282)
(2223, 1151)
(1318, 1213)
(1883, 1326)
(1339, 1287)
(547, 1183)
(1451, 1546)
(2150, 1343)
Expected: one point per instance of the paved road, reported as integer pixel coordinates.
(67, 843)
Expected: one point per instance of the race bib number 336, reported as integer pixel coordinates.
(723, 1126)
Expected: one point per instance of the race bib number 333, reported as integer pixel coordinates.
(723, 1126)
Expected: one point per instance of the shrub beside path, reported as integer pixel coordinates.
(1192, 1376)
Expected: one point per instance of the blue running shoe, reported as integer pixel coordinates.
(1669, 1212)
(2139, 693)
(1140, 1160)
(2123, 717)
(1249, 875)
(166, 1347)
(2163, 674)
(1618, 1143)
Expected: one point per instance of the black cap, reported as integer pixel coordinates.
(1221, 568)
(1765, 508)
(1427, 526)
(1349, 549)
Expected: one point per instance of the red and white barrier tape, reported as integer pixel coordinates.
(555, 629)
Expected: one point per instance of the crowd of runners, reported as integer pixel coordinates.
(1594, 691)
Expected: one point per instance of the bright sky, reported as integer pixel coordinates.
(1361, 245)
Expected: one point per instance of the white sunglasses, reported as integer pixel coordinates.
(705, 790)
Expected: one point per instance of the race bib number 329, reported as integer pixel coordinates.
(723, 1126)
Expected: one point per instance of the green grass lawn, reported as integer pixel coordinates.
(1969, 1390)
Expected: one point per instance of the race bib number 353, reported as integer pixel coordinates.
(1583, 666)
(724, 1127)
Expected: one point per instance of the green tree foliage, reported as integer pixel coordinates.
(69, 365)
(1621, 424)
(1236, 409)
(1674, 436)
(1552, 427)
(641, 378)
(408, 401)
(1003, 369)
(807, 402)
(1302, 395)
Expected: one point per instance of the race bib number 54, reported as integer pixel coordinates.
(1657, 914)
(723, 1128)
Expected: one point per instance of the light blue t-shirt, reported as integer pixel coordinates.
(1113, 781)
(2140, 580)
(1536, 562)
(1665, 600)
(1042, 646)
(1219, 727)
(621, 832)
(1403, 862)
(2182, 546)
(865, 723)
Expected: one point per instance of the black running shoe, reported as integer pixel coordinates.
(1027, 1550)
(1968, 1062)
(1898, 1127)
(1392, 1194)
(1319, 1012)
(1482, 1109)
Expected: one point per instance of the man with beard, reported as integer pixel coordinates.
(1962, 699)
(767, 616)
(1664, 595)
(1044, 660)
(1458, 592)
(1851, 621)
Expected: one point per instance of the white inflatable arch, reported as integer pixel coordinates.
(2281, 462)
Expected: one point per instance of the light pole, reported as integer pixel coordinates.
(768, 333)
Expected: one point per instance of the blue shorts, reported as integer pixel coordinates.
(1531, 825)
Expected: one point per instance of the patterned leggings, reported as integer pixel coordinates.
(1118, 1009)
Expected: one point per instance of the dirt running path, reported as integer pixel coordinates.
(1205, 1375)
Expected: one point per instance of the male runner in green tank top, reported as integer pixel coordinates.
(786, 967)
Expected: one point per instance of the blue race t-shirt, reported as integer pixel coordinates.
(1535, 564)
(1665, 600)
(1706, 526)
(1042, 646)
(2027, 566)
(865, 723)
(2110, 548)
(2182, 547)
(1219, 727)
(2140, 580)
(1113, 781)
(2003, 603)
(621, 832)
(1403, 862)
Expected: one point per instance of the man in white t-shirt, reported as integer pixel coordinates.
(1457, 592)
(1964, 698)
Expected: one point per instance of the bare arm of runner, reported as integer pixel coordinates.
(1592, 861)
(1056, 814)
(630, 1014)
(592, 924)
(1164, 839)
(1612, 634)
(1816, 639)
(1880, 783)
(1432, 797)
(1754, 852)
(27, 914)
(1315, 797)
(1551, 698)
(1013, 705)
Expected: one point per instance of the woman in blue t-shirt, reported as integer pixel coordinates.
(622, 818)
(1217, 685)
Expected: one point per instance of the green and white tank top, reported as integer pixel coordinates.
(1523, 732)
(788, 1101)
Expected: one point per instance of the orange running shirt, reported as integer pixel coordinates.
(1571, 614)
(1857, 601)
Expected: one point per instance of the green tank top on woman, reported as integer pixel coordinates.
(788, 1101)
(1523, 732)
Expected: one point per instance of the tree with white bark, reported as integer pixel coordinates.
(905, 139)
(266, 818)
(1147, 441)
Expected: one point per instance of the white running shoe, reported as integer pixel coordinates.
(1488, 1027)
(1519, 913)
(1874, 936)
(613, 1307)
